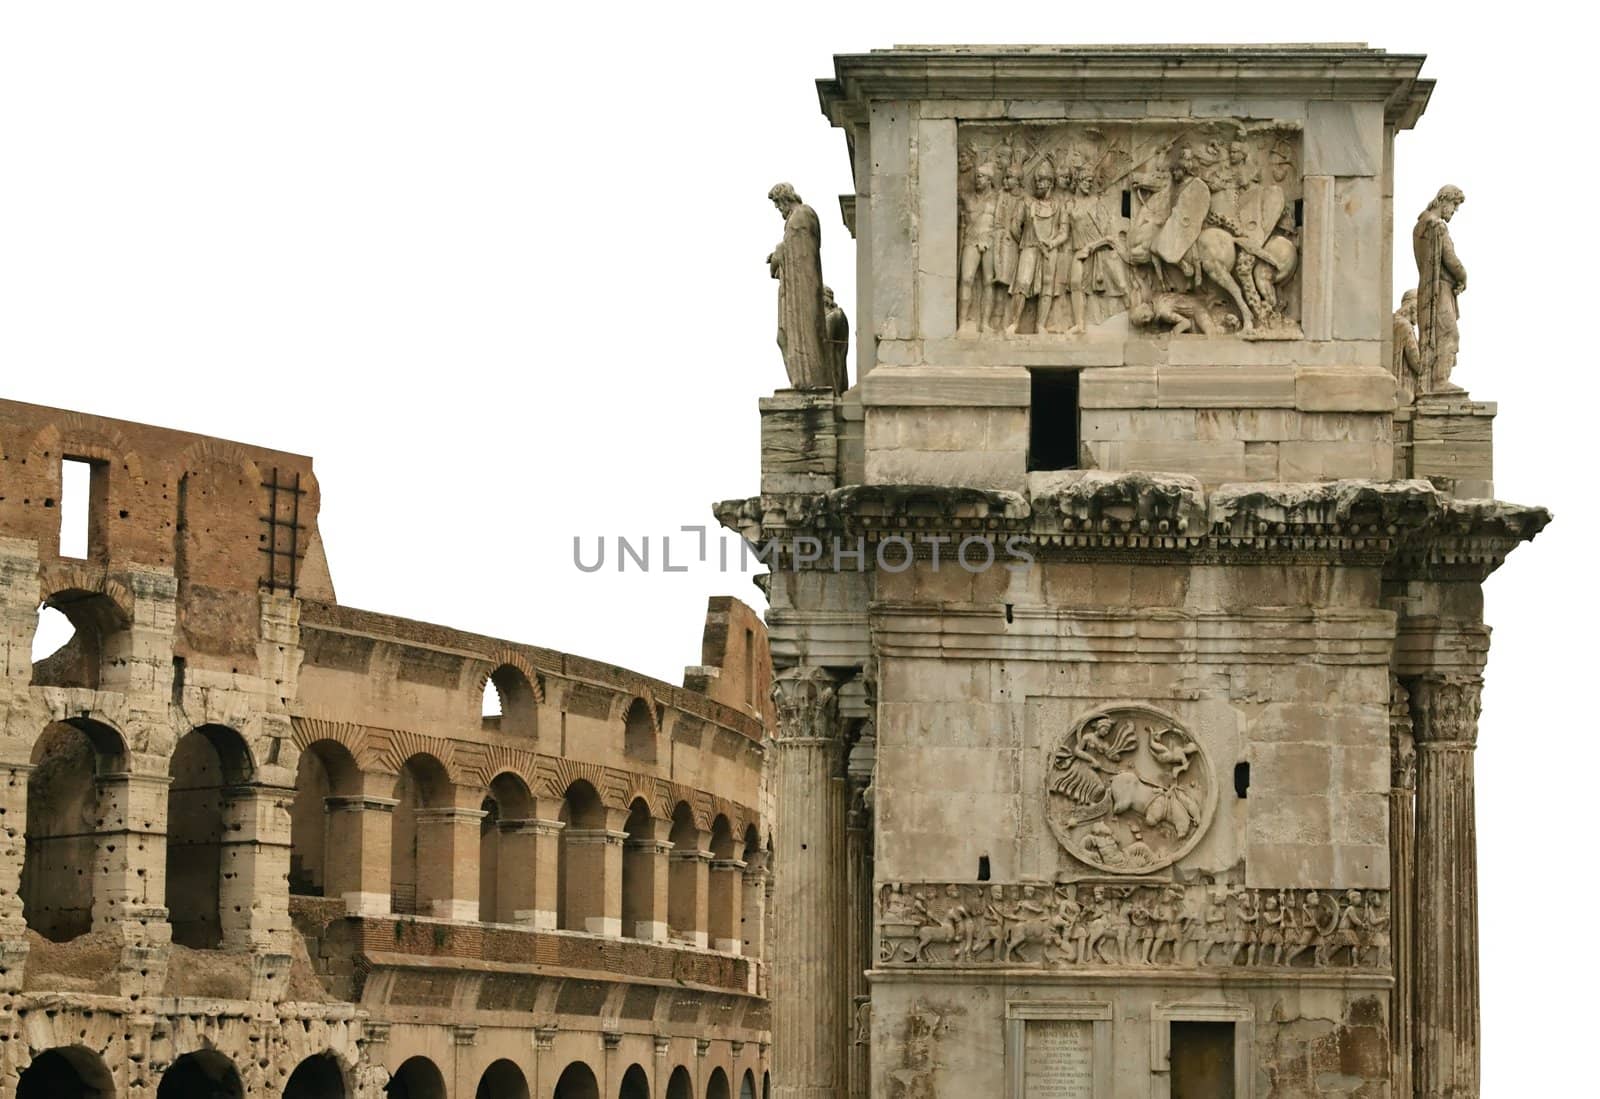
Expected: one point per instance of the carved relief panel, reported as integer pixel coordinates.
(1119, 923)
(1141, 228)
(1129, 791)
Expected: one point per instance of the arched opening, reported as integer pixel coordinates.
(205, 762)
(577, 1082)
(766, 1085)
(580, 896)
(61, 848)
(95, 653)
(502, 1080)
(639, 732)
(417, 1078)
(687, 880)
(717, 1086)
(747, 1085)
(498, 865)
(752, 906)
(635, 1084)
(722, 892)
(641, 865)
(317, 851)
(204, 1073)
(423, 784)
(510, 702)
(679, 1084)
(317, 1077)
(66, 1072)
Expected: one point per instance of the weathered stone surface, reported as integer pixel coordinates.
(1118, 736)
(261, 837)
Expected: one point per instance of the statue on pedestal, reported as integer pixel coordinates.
(837, 328)
(797, 265)
(1406, 361)
(1440, 281)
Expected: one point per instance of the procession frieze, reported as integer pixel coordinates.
(1120, 924)
(1144, 227)
(1129, 790)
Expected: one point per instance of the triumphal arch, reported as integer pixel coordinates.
(1125, 589)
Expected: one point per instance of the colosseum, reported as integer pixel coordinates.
(262, 844)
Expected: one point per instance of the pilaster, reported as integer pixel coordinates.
(359, 834)
(645, 869)
(447, 866)
(724, 895)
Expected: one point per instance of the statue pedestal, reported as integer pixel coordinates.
(1452, 444)
(799, 441)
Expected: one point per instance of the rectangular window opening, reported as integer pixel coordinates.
(77, 512)
(1053, 420)
(750, 667)
(1201, 1056)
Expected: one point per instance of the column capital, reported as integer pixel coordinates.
(654, 847)
(728, 864)
(532, 826)
(449, 814)
(1402, 743)
(807, 699)
(359, 803)
(1444, 711)
(595, 836)
(689, 854)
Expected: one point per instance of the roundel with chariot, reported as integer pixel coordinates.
(1129, 790)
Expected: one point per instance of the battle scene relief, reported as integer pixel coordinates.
(1118, 229)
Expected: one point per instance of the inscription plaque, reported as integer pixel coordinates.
(1058, 1059)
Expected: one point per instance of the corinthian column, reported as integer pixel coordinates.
(1402, 884)
(1445, 724)
(809, 958)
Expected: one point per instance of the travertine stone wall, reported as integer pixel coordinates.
(251, 830)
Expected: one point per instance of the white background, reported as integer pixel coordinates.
(501, 271)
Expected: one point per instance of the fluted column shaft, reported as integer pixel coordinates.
(858, 933)
(809, 1033)
(1402, 886)
(1445, 1053)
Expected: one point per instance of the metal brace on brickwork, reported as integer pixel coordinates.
(282, 549)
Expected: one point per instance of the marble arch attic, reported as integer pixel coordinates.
(1125, 735)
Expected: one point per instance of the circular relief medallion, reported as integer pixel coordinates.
(1129, 790)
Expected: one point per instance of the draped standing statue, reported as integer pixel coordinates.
(1440, 280)
(797, 265)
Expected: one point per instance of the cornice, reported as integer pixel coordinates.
(1152, 518)
(1333, 71)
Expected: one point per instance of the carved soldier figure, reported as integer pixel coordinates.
(1036, 256)
(1377, 920)
(797, 265)
(1271, 933)
(1441, 279)
(1406, 361)
(1091, 261)
(1009, 209)
(1247, 932)
(1167, 915)
(979, 212)
(837, 327)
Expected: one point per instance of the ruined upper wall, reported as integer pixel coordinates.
(169, 502)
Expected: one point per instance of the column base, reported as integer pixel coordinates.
(609, 926)
(651, 931)
(367, 904)
(459, 911)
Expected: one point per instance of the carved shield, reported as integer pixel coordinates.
(1188, 217)
(1259, 210)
